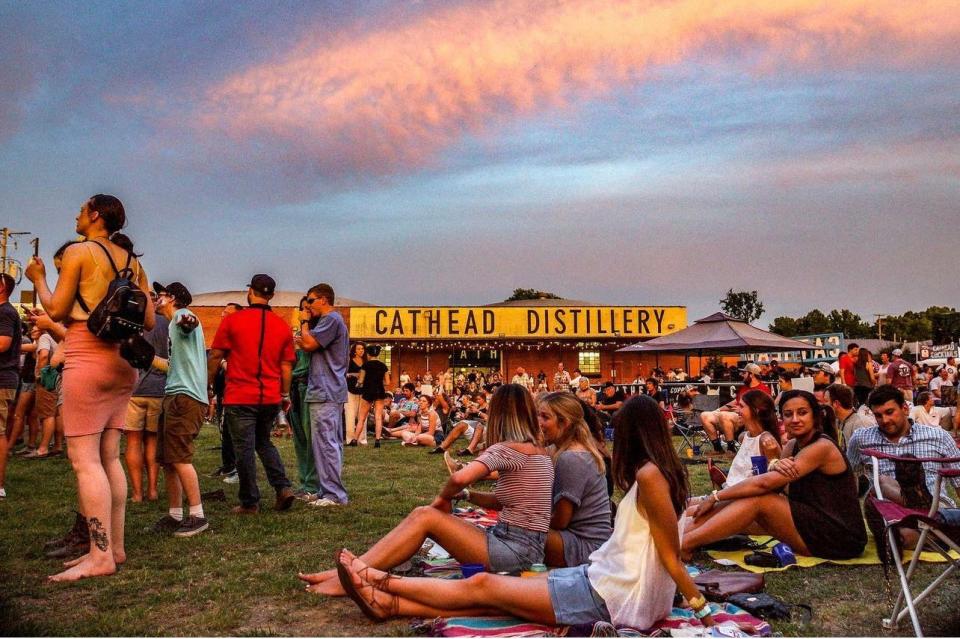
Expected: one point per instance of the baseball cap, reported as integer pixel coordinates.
(751, 368)
(176, 290)
(897, 352)
(263, 284)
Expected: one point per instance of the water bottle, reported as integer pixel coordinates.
(282, 419)
(784, 555)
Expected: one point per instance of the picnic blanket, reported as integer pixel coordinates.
(679, 618)
(868, 558)
(479, 517)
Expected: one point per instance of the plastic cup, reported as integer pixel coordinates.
(469, 570)
(759, 463)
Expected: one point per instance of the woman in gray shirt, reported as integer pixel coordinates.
(580, 521)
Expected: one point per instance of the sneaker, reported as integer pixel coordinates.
(306, 496)
(323, 502)
(3, 493)
(466, 452)
(222, 471)
(165, 525)
(436, 451)
(191, 526)
(376, 443)
(231, 478)
(353, 442)
(731, 447)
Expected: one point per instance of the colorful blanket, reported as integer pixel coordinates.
(679, 618)
(868, 558)
(478, 516)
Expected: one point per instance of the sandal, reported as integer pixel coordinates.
(372, 609)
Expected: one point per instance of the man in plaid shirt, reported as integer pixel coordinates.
(895, 434)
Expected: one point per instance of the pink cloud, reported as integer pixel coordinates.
(396, 97)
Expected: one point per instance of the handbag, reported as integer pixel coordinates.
(718, 585)
(48, 378)
(767, 607)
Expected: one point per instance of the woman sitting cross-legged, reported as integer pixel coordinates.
(581, 508)
(630, 581)
(820, 514)
(522, 495)
(421, 433)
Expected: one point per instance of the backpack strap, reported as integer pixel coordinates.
(113, 265)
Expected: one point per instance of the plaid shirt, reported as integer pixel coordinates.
(920, 441)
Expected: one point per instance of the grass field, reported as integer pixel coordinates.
(239, 578)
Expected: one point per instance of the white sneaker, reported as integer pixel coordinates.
(323, 502)
(232, 478)
(3, 493)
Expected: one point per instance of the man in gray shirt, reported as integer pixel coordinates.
(328, 344)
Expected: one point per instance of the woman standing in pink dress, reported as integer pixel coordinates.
(97, 381)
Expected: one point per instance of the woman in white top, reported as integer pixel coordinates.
(630, 581)
(420, 433)
(761, 436)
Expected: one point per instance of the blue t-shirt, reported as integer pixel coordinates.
(327, 380)
(187, 374)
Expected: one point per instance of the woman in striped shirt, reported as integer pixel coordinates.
(523, 495)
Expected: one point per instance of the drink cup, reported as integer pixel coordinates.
(469, 570)
(759, 463)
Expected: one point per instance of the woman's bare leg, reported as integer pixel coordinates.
(150, 460)
(464, 541)
(134, 458)
(361, 419)
(110, 456)
(770, 513)
(553, 550)
(96, 500)
(483, 593)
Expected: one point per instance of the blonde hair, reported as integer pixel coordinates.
(573, 428)
(513, 416)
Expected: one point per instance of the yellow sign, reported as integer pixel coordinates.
(515, 322)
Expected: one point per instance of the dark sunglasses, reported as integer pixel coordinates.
(311, 300)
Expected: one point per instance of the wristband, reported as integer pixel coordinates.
(702, 612)
(466, 494)
(698, 602)
(773, 464)
(716, 497)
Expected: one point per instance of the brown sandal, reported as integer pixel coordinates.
(373, 610)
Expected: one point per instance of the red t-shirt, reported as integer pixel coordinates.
(256, 341)
(746, 387)
(846, 370)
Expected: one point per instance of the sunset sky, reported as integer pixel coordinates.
(447, 152)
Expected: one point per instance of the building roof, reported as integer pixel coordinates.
(547, 302)
(280, 299)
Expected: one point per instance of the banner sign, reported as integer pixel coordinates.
(938, 351)
(829, 346)
(515, 322)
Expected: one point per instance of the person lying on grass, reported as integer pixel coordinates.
(522, 495)
(630, 580)
(820, 514)
(581, 508)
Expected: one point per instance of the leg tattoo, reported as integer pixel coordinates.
(98, 534)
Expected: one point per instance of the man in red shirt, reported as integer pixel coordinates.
(727, 418)
(847, 362)
(259, 344)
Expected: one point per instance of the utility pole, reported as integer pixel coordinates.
(36, 253)
(880, 317)
(5, 235)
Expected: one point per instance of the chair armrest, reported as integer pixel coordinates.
(872, 452)
(950, 472)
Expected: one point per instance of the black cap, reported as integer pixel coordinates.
(608, 384)
(176, 290)
(262, 284)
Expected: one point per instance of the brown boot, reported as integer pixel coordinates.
(80, 533)
(285, 499)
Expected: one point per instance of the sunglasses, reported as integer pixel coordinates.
(311, 300)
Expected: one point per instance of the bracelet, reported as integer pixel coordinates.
(702, 612)
(284, 395)
(773, 464)
(698, 602)
(466, 494)
(716, 497)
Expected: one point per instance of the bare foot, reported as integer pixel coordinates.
(118, 559)
(136, 498)
(329, 588)
(317, 577)
(90, 568)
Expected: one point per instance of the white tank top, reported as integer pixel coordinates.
(742, 467)
(626, 570)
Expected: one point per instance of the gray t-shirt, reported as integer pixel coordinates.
(577, 479)
(153, 382)
(10, 359)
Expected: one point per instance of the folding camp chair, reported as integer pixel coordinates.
(688, 426)
(935, 536)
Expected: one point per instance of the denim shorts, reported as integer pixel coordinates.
(513, 549)
(949, 516)
(574, 600)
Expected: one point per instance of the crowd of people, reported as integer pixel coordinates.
(542, 440)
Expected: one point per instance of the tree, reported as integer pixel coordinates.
(743, 305)
(813, 322)
(909, 327)
(786, 326)
(848, 323)
(531, 294)
(946, 324)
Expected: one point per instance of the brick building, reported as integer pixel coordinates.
(534, 334)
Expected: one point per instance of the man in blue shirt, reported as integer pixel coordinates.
(328, 343)
(184, 407)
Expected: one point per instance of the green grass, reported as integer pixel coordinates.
(239, 578)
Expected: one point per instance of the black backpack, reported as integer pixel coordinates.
(122, 312)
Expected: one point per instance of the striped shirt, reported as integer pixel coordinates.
(920, 441)
(525, 487)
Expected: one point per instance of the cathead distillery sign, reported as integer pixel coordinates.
(517, 322)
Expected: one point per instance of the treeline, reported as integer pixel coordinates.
(941, 324)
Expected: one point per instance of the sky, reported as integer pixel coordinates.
(447, 152)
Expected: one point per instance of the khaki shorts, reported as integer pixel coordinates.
(180, 425)
(45, 403)
(7, 395)
(143, 413)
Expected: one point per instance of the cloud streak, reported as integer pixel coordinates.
(396, 97)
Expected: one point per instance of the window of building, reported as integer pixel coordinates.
(589, 362)
(386, 355)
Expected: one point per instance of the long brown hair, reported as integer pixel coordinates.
(641, 435)
(763, 410)
(512, 416)
(573, 429)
